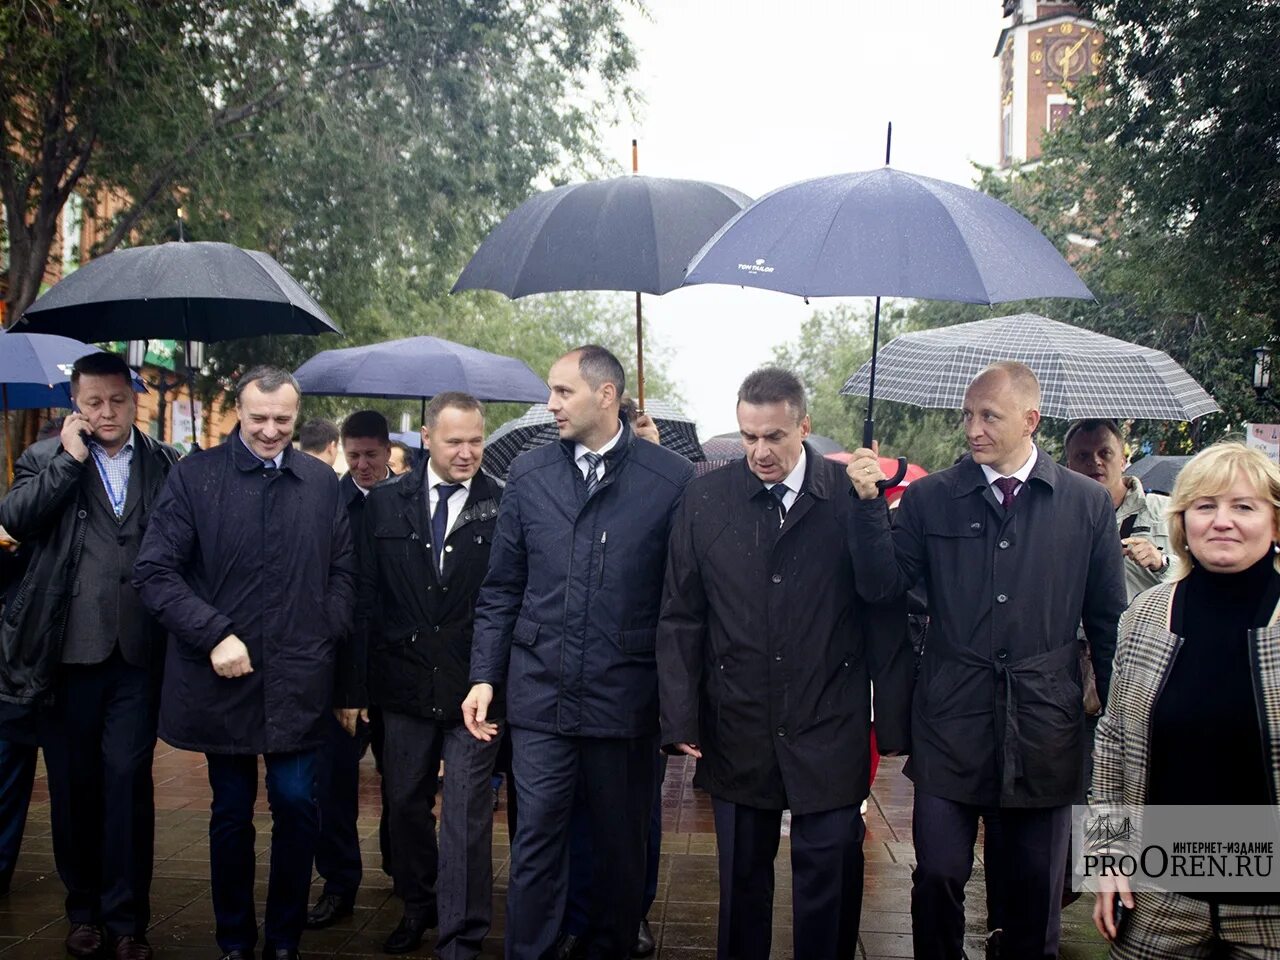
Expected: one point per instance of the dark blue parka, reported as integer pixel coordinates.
(568, 613)
(263, 554)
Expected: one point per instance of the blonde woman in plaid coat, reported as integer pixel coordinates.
(1197, 674)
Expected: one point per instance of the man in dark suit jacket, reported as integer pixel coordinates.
(366, 447)
(565, 625)
(81, 503)
(1016, 551)
(421, 557)
(765, 663)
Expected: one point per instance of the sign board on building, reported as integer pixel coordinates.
(1264, 437)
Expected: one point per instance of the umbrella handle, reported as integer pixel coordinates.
(896, 478)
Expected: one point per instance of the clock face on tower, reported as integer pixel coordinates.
(1067, 57)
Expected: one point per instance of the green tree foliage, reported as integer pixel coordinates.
(367, 144)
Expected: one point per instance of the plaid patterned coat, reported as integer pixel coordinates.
(1144, 656)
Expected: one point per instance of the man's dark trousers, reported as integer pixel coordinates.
(295, 822)
(338, 794)
(826, 881)
(618, 775)
(99, 745)
(17, 774)
(1035, 843)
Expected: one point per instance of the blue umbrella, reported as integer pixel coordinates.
(885, 233)
(418, 368)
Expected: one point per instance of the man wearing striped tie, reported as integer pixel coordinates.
(565, 626)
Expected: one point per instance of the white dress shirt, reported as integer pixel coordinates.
(793, 482)
(1020, 474)
(581, 449)
(456, 501)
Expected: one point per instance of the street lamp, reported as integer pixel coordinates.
(136, 357)
(1262, 357)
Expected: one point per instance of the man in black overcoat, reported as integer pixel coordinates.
(76, 637)
(248, 564)
(765, 663)
(1016, 552)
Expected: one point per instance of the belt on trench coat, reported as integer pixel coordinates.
(1011, 673)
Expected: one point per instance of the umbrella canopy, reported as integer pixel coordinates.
(35, 369)
(420, 367)
(184, 291)
(1157, 474)
(886, 233)
(537, 427)
(627, 233)
(1081, 373)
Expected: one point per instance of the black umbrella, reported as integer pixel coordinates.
(885, 233)
(627, 233)
(192, 292)
(418, 368)
(1157, 474)
(536, 427)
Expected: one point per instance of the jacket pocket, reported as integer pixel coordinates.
(526, 632)
(638, 641)
(953, 527)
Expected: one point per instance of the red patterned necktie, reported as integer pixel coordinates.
(1008, 489)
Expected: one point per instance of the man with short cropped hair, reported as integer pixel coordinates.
(565, 625)
(1016, 551)
(319, 437)
(248, 564)
(422, 556)
(80, 503)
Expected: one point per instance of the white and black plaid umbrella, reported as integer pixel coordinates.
(1082, 374)
(537, 427)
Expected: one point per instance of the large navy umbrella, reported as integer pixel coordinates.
(418, 368)
(627, 233)
(179, 291)
(885, 233)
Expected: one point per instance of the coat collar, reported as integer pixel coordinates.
(969, 476)
(247, 461)
(817, 479)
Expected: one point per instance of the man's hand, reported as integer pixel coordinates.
(72, 442)
(347, 716)
(864, 470)
(1144, 553)
(230, 658)
(475, 712)
(689, 749)
(1104, 911)
(644, 428)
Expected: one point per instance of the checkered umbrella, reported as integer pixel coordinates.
(1082, 374)
(537, 427)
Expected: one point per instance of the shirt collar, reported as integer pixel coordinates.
(579, 449)
(99, 449)
(1020, 474)
(794, 480)
(276, 461)
(433, 480)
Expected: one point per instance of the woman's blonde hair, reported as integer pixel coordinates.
(1210, 473)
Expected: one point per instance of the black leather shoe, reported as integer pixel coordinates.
(406, 937)
(644, 941)
(570, 947)
(329, 909)
(237, 955)
(132, 948)
(85, 940)
(282, 953)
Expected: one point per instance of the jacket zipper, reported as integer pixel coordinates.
(604, 536)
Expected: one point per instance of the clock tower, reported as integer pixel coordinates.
(1045, 49)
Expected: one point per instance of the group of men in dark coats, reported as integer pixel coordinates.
(601, 607)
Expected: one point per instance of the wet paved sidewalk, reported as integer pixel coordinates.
(683, 917)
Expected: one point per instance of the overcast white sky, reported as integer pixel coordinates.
(757, 94)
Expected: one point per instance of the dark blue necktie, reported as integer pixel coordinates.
(779, 491)
(440, 519)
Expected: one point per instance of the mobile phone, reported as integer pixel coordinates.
(1119, 914)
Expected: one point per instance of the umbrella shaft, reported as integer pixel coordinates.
(868, 425)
